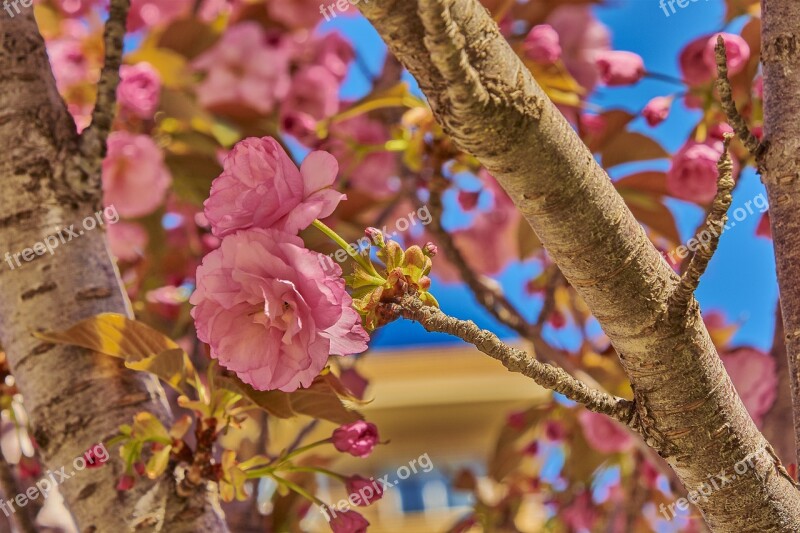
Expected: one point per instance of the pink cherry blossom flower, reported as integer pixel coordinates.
(135, 178)
(314, 95)
(127, 240)
(754, 376)
(490, 242)
(150, 13)
(357, 438)
(297, 13)
(362, 491)
(78, 8)
(139, 90)
(542, 44)
(333, 52)
(604, 434)
(693, 173)
(581, 38)
(698, 60)
(347, 522)
(245, 68)
(271, 313)
(261, 187)
(374, 173)
(657, 110)
(69, 63)
(737, 51)
(693, 64)
(619, 67)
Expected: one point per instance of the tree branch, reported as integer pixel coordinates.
(489, 103)
(75, 397)
(515, 360)
(714, 226)
(93, 139)
(736, 121)
(780, 57)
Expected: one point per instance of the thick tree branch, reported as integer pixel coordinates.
(488, 102)
(515, 360)
(75, 398)
(714, 226)
(780, 56)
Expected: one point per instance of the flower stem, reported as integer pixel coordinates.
(316, 470)
(298, 489)
(358, 258)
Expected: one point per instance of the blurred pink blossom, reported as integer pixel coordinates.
(541, 44)
(581, 38)
(150, 13)
(692, 176)
(127, 240)
(135, 178)
(314, 95)
(754, 375)
(604, 434)
(657, 110)
(619, 67)
(139, 90)
(297, 13)
(246, 67)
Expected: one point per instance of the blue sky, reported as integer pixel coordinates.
(741, 278)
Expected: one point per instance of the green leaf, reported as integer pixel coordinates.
(158, 462)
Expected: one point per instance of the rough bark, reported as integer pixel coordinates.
(778, 419)
(780, 56)
(75, 398)
(687, 408)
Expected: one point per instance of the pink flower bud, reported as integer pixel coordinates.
(347, 522)
(657, 110)
(357, 438)
(362, 491)
(542, 44)
(619, 68)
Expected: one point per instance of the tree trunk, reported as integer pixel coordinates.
(780, 57)
(75, 398)
(687, 408)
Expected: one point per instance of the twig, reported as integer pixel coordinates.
(93, 139)
(489, 297)
(515, 360)
(736, 121)
(715, 224)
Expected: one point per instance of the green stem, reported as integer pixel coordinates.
(316, 470)
(358, 258)
(299, 490)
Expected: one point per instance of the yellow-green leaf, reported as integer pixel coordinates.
(115, 335)
(158, 462)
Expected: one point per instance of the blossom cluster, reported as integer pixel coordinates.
(263, 302)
